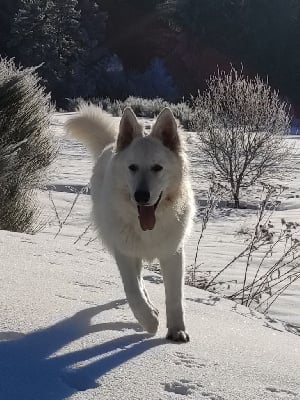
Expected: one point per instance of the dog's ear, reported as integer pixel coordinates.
(165, 129)
(129, 129)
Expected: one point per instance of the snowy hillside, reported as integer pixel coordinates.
(66, 331)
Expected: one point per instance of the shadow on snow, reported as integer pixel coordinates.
(30, 371)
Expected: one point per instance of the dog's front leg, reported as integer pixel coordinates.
(130, 269)
(173, 273)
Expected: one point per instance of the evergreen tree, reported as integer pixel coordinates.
(155, 81)
(90, 67)
(48, 32)
(29, 32)
(7, 11)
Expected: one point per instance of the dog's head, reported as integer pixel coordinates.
(151, 163)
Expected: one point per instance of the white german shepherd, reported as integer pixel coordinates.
(142, 204)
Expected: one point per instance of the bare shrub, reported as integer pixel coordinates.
(61, 222)
(277, 252)
(241, 124)
(215, 192)
(26, 149)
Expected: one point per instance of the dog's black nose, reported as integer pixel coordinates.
(142, 196)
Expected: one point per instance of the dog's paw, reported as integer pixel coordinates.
(149, 323)
(178, 336)
(151, 326)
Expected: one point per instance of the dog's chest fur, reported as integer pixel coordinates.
(120, 229)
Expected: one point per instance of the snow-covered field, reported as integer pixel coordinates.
(67, 333)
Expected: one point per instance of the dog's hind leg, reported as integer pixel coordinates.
(130, 270)
(173, 273)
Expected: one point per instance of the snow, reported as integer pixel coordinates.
(66, 331)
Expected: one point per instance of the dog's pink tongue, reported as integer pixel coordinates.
(147, 217)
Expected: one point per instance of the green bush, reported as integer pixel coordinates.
(26, 148)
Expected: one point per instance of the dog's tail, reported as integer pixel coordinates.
(93, 127)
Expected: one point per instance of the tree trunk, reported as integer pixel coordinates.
(236, 197)
(235, 191)
(236, 201)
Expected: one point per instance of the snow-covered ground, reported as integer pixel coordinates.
(66, 331)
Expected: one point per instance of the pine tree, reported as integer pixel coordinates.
(90, 74)
(7, 12)
(48, 32)
(28, 32)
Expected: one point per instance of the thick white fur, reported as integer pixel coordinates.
(115, 211)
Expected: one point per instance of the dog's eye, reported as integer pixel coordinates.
(156, 168)
(133, 167)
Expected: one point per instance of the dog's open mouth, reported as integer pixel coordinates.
(147, 215)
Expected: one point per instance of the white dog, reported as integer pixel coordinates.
(142, 204)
